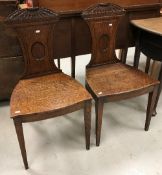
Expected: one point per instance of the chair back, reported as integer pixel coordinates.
(34, 28)
(103, 21)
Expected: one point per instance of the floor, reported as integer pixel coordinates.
(57, 146)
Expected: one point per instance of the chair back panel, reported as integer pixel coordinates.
(34, 28)
(103, 21)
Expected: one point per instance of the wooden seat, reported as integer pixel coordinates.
(117, 79)
(46, 94)
(44, 91)
(106, 78)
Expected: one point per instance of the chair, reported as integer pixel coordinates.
(107, 79)
(44, 91)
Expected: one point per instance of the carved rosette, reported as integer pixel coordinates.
(31, 15)
(103, 10)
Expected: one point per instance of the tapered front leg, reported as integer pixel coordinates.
(150, 107)
(87, 122)
(99, 112)
(20, 136)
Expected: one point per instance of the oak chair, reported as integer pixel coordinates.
(107, 79)
(44, 91)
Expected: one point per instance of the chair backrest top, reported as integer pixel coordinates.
(103, 10)
(103, 20)
(35, 30)
(29, 15)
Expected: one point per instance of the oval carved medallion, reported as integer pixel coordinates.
(38, 50)
(103, 42)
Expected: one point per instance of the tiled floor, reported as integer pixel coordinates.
(57, 146)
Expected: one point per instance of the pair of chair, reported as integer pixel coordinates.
(45, 92)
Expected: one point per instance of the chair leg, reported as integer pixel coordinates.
(159, 92)
(148, 60)
(99, 112)
(73, 66)
(87, 122)
(157, 99)
(20, 136)
(150, 107)
(58, 62)
(123, 55)
(136, 57)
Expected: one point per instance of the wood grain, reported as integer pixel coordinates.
(44, 91)
(80, 5)
(116, 79)
(152, 25)
(72, 36)
(106, 78)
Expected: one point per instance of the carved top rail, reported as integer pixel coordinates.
(103, 10)
(31, 15)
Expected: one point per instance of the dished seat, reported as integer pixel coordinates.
(115, 79)
(46, 93)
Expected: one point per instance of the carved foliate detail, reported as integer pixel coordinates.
(31, 15)
(103, 10)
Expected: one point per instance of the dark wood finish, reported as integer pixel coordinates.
(80, 5)
(20, 136)
(67, 43)
(87, 121)
(73, 40)
(107, 79)
(73, 7)
(58, 62)
(99, 104)
(44, 91)
(11, 62)
(137, 52)
(148, 42)
(148, 61)
(159, 91)
(123, 55)
(7, 6)
(150, 107)
(34, 40)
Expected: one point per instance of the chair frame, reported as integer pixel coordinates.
(103, 20)
(38, 54)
